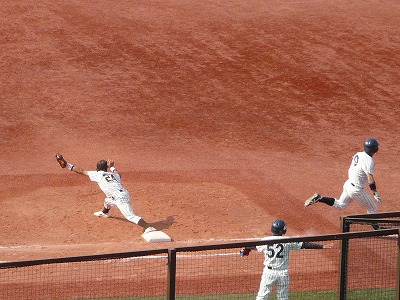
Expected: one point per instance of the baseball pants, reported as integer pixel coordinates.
(271, 277)
(122, 200)
(353, 193)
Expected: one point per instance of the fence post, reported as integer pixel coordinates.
(171, 279)
(398, 267)
(344, 227)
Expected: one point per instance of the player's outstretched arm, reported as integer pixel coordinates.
(64, 164)
(79, 170)
(307, 245)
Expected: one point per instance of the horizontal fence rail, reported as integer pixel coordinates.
(215, 271)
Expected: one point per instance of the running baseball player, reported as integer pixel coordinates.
(110, 183)
(276, 261)
(360, 174)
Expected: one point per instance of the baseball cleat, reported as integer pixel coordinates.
(313, 199)
(149, 229)
(101, 214)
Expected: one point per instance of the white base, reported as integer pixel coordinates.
(156, 237)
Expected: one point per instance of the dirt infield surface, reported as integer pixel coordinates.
(220, 115)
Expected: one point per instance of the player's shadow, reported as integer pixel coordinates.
(163, 224)
(159, 225)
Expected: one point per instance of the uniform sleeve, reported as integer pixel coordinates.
(295, 246)
(307, 245)
(262, 248)
(94, 175)
(369, 165)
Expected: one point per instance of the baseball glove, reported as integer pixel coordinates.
(245, 252)
(61, 160)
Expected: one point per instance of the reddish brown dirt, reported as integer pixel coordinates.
(221, 116)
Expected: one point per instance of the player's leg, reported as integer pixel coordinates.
(371, 208)
(282, 285)
(108, 202)
(346, 197)
(366, 201)
(124, 205)
(343, 201)
(267, 282)
(318, 198)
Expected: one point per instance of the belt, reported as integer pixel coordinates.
(118, 191)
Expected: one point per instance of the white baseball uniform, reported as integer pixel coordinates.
(354, 187)
(116, 195)
(276, 265)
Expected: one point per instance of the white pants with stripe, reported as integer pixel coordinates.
(122, 200)
(353, 193)
(271, 277)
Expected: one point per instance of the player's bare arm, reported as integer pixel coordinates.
(79, 170)
(64, 164)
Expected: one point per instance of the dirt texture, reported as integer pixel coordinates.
(220, 115)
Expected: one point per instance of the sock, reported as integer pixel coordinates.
(327, 200)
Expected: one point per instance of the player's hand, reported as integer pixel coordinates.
(110, 163)
(329, 246)
(245, 252)
(377, 198)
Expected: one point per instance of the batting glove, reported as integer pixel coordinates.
(377, 198)
(245, 252)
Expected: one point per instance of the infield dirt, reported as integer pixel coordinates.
(220, 115)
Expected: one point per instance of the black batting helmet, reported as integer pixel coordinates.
(278, 227)
(102, 165)
(371, 146)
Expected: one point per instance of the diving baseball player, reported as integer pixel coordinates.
(110, 183)
(360, 174)
(276, 261)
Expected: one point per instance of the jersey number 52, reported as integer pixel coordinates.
(275, 250)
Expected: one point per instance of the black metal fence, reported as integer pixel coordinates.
(360, 265)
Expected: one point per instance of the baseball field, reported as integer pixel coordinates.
(220, 115)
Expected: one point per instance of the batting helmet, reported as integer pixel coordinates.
(102, 165)
(371, 146)
(278, 227)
